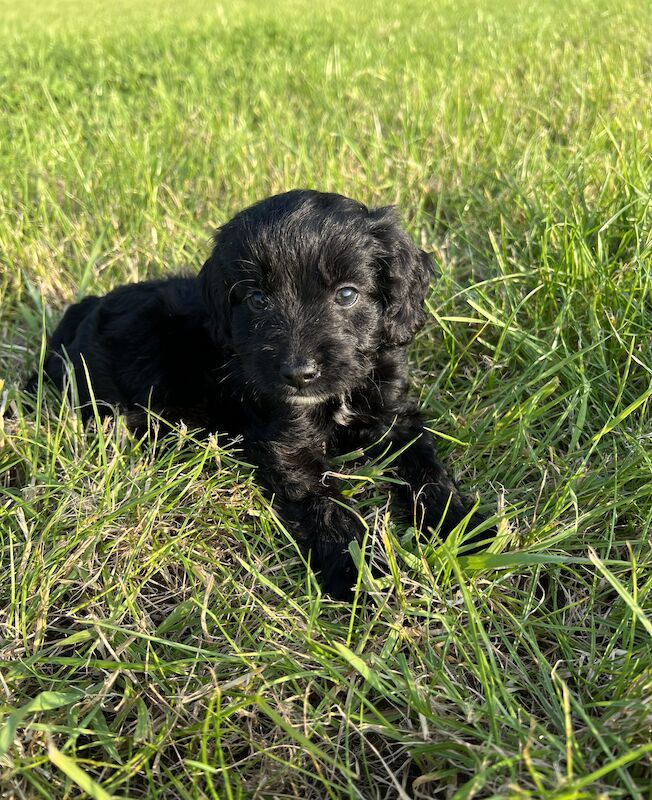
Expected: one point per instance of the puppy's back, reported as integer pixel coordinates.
(130, 341)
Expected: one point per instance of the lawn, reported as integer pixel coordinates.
(160, 635)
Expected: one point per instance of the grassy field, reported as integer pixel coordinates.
(160, 635)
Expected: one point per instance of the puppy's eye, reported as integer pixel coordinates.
(346, 296)
(257, 301)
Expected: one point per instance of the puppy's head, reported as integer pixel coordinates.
(307, 288)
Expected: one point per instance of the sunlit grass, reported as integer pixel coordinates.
(161, 635)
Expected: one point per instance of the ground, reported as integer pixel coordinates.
(160, 636)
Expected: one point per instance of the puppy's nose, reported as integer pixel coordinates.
(300, 373)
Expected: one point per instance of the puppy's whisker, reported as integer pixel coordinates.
(238, 283)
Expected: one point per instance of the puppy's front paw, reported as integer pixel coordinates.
(338, 576)
(330, 554)
(474, 540)
(443, 512)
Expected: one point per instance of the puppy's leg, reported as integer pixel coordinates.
(428, 488)
(315, 513)
(62, 339)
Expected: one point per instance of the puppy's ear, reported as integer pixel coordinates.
(405, 273)
(215, 292)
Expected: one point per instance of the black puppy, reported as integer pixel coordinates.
(294, 336)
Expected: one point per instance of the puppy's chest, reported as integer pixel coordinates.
(342, 423)
(344, 415)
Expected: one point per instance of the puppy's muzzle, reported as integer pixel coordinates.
(300, 373)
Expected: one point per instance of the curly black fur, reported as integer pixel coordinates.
(294, 336)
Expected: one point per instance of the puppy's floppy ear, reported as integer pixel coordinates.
(405, 273)
(215, 292)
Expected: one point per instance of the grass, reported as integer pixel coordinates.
(160, 635)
